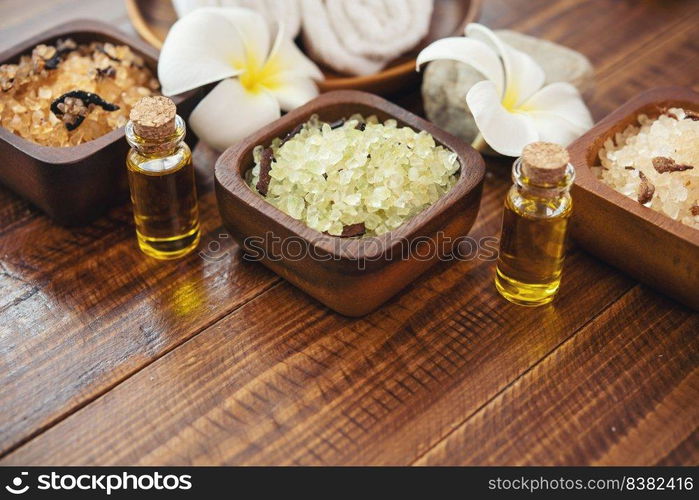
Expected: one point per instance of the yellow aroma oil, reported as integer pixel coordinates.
(161, 180)
(534, 225)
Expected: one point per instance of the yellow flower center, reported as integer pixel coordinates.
(257, 77)
(509, 100)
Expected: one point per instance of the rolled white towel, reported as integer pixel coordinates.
(284, 12)
(360, 36)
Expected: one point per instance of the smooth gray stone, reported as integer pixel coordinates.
(446, 83)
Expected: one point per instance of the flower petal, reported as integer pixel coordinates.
(558, 113)
(253, 30)
(184, 7)
(287, 12)
(505, 132)
(523, 75)
(288, 59)
(293, 91)
(472, 52)
(563, 99)
(198, 50)
(230, 113)
(554, 128)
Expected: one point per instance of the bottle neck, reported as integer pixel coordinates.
(160, 147)
(530, 189)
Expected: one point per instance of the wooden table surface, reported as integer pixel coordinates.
(109, 357)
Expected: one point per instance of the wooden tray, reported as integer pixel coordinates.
(152, 20)
(76, 184)
(644, 243)
(352, 276)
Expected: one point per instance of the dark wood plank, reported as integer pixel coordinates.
(624, 390)
(21, 19)
(648, 66)
(250, 382)
(672, 59)
(84, 309)
(283, 380)
(14, 211)
(605, 31)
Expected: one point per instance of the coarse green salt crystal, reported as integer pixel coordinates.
(381, 176)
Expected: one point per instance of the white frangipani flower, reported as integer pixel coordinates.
(258, 78)
(512, 108)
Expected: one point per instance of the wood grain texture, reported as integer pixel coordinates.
(614, 412)
(283, 380)
(669, 59)
(87, 309)
(246, 369)
(21, 19)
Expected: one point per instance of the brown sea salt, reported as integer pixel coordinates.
(27, 89)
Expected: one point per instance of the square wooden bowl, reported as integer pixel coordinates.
(353, 276)
(640, 241)
(76, 184)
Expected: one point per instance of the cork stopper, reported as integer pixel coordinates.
(545, 162)
(154, 117)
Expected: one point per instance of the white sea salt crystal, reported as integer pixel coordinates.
(671, 209)
(675, 192)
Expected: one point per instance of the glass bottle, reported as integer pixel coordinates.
(534, 225)
(161, 180)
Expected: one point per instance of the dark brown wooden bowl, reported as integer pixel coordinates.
(152, 20)
(353, 276)
(640, 241)
(76, 184)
